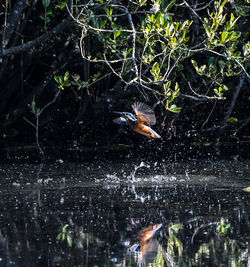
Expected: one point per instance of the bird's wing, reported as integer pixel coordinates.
(120, 121)
(144, 113)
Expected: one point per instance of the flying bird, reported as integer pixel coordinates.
(140, 122)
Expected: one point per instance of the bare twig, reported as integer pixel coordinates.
(51, 102)
(166, 75)
(133, 36)
(235, 96)
(32, 124)
(192, 10)
(209, 115)
(37, 135)
(113, 70)
(193, 97)
(197, 8)
(37, 115)
(244, 123)
(204, 96)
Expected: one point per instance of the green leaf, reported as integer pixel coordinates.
(63, 236)
(75, 77)
(223, 87)
(174, 108)
(234, 35)
(103, 23)
(194, 64)
(177, 227)
(116, 34)
(58, 79)
(129, 51)
(69, 240)
(46, 3)
(166, 86)
(64, 229)
(202, 68)
(247, 189)
(246, 49)
(49, 13)
(59, 236)
(33, 104)
(63, 5)
(232, 120)
(155, 71)
(67, 83)
(66, 76)
(223, 36)
(170, 5)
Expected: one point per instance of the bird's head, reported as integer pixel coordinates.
(127, 116)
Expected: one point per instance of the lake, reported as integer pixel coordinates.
(89, 214)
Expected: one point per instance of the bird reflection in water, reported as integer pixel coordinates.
(147, 246)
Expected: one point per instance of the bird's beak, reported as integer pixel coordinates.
(118, 112)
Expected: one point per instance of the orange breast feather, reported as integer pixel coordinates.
(143, 129)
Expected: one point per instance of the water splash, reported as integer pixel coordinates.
(132, 175)
(187, 175)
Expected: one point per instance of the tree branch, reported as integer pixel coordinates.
(38, 41)
(192, 10)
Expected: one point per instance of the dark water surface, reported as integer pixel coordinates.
(66, 214)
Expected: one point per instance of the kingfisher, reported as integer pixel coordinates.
(145, 239)
(140, 122)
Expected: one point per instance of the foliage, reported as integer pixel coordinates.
(247, 189)
(223, 227)
(152, 52)
(47, 13)
(78, 82)
(174, 242)
(65, 235)
(63, 81)
(155, 51)
(35, 110)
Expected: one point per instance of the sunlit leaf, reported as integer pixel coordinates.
(116, 34)
(49, 12)
(69, 240)
(58, 79)
(247, 189)
(129, 51)
(232, 120)
(59, 236)
(63, 5)
(66, 76)
(169, 6)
